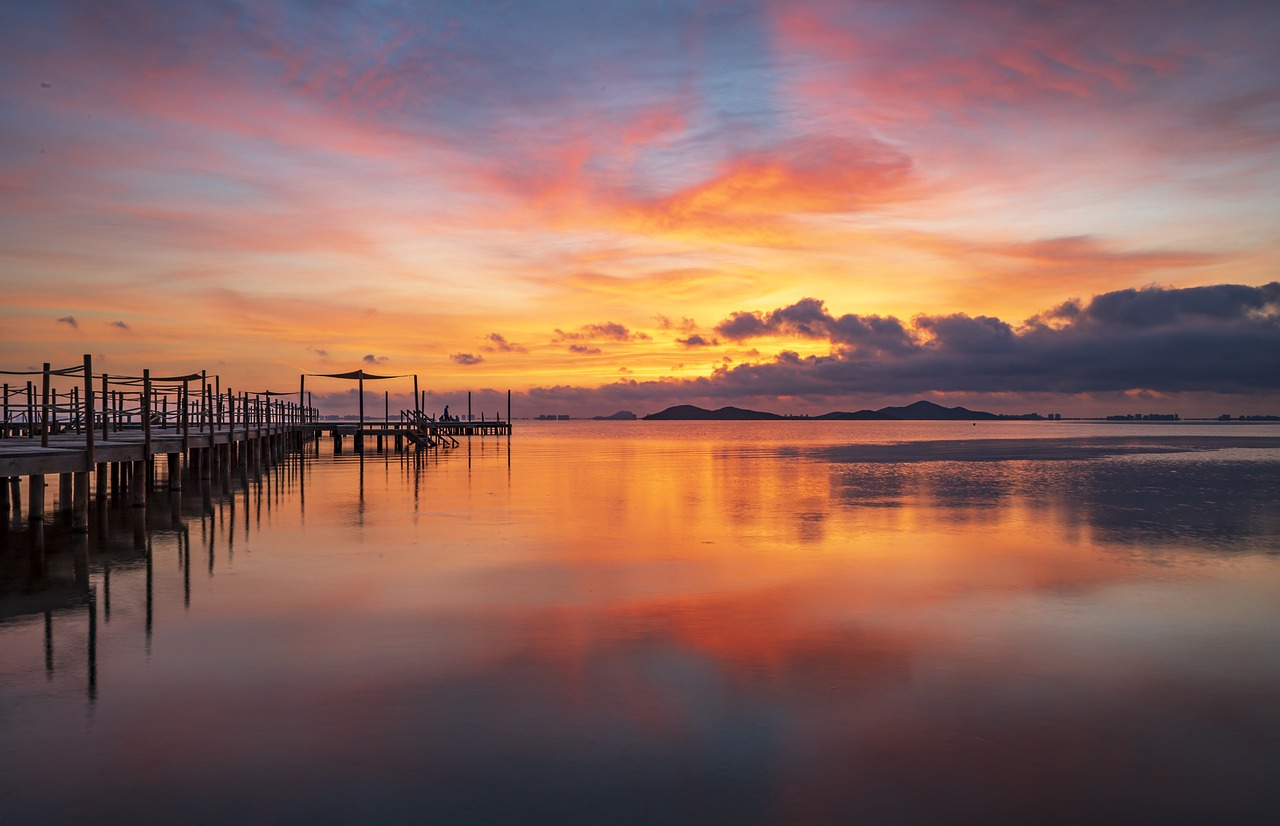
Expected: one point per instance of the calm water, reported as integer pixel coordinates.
(662, 622)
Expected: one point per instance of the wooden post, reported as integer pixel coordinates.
(217, 395)
(138, 485)
(106, 406)
(15, 498)
(185, 418)
(204, 407)
(88, 412)
(80, 512)
(508, 411)
(31, 408)
(35, 505)
(44, 408)
(416, 408)
(64, 493)
(146, 416)
(360, 432)
(468, 405)
(4, 428)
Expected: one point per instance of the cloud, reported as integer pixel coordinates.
(808, 318)
(501, 345)
(697, 341)
(584, 349)
(120, 325)
(1222, 338)
(1142, 344)
(372, 359)
(322, 353)
(608, 331)
(684, 325)
(466, 358)
(70, 320)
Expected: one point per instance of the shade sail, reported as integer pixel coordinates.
(354, 374)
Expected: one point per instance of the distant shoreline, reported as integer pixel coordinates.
(1052, 449)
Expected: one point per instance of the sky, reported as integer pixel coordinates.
(796, 206)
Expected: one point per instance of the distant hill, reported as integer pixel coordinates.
(620, 416)
(860, 416)
(689, 412)
(928, 411)
(918, 411)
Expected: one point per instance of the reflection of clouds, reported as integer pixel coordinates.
(1134, 500)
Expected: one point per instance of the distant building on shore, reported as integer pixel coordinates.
(1145, 417)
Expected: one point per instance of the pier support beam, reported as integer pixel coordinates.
(175, 471)
(15, 499)
(80, 511)
(35, 503)
(138, 486)
(65, 495)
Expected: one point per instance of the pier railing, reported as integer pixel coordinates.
(74, 399)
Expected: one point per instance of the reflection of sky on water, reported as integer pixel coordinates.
(1189, 500)
(641, 632)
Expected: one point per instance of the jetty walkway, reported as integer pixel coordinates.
(113, 430)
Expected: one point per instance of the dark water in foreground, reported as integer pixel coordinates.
(644, 622)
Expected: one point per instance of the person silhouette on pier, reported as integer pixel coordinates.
(446, 413)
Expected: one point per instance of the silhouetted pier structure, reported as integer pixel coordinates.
(111, 430)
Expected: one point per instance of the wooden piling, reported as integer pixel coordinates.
(44, 408)
(35, 500)
(89, 458)
(138, 487)
(106, 410)
(64, 492)
(80, 513)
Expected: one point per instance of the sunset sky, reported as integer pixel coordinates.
(797, 206)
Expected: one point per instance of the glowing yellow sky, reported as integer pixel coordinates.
(564, 197)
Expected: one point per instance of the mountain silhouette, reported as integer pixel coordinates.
(917, 411)
(928, 411)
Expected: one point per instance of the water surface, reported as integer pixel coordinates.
(663, 622)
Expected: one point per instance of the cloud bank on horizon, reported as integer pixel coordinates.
(528, 195)
(1147, 345)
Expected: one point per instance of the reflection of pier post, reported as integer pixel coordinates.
(35, 510)
(150, 578)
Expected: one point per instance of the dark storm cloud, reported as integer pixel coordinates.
(808, 318)
(1221, 338)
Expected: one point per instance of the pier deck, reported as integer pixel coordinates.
(77, 424)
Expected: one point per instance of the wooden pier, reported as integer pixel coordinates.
(111, 431)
